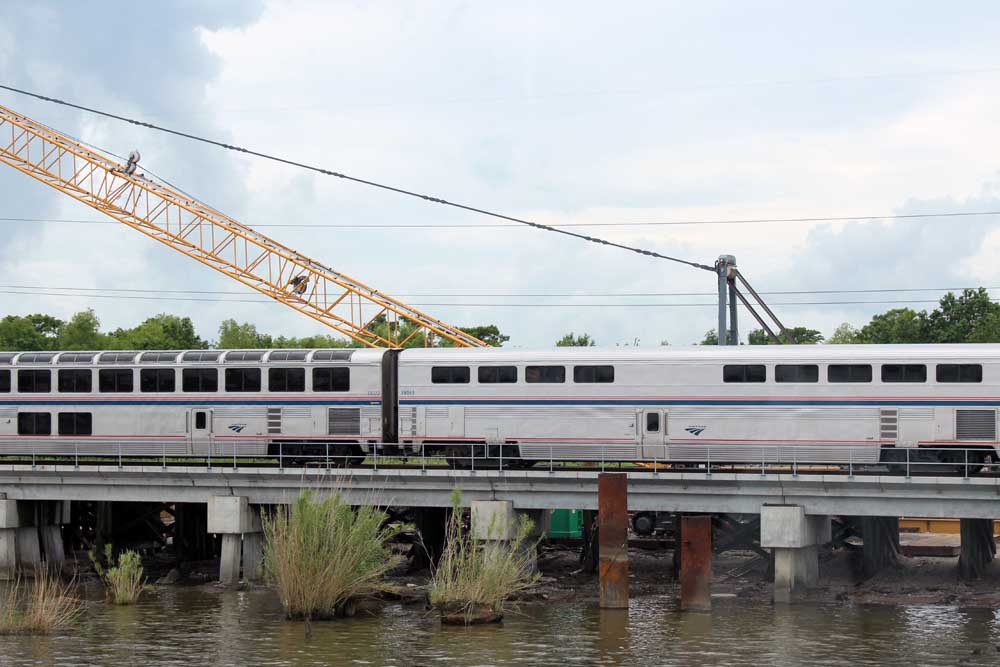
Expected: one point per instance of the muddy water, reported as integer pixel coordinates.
(200, 628)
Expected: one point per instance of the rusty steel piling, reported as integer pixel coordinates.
(612, 535)
(696, 563)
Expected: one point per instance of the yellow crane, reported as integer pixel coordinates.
(192, 227)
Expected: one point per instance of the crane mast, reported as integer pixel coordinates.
(214, 239)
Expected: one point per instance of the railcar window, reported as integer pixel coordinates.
(497, 374)
(34, 381)
(593, 374)
(904, 373)
(652, 422)
(199, 379)
(796, 373)
(450, 374)
(34, 423)
(332, 378)
(849, 373)
(157, 380)
(5, 382)
(200, 420)
(114, 380)
(545, 374)
(959, 372)
(744, 373)
(76, 423)
(76, 380)
(286, 379)
(242, 379)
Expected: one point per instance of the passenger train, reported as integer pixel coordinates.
(832, 404)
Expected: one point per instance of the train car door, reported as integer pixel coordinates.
(200, 431)
(654, 432)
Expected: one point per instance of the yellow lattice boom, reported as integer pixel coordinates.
(214, 239)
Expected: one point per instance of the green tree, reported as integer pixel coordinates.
(843, 335)
(82, 332)
(899, 325)
(959, 319)
(31, 332)
(801, 336)
(236, 336)
(572, 340)
(161, 332)
(488, 333)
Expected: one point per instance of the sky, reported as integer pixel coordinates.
(559, 112)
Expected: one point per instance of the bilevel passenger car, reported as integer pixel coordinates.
(820, 404)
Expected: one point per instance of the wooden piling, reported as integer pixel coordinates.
(696, 563)
(612, 535)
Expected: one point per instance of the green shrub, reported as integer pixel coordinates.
(124, 581)
(321, 553)
(474, 578)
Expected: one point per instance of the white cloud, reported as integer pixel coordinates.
(559, 113)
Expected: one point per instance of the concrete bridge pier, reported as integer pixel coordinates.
(31, 534)
(9, 523)
(242, 539)
(793, 537)
(979, 547)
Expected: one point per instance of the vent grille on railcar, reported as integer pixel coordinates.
(976, 425)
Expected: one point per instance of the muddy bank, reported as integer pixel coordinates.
(743, 575)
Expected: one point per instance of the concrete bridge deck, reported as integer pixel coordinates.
(737, 493)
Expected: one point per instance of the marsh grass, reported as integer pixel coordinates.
(124, 580)
(322, 555)
(41, 608)
(475, 578)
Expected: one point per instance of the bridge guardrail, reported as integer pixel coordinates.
(765, 459)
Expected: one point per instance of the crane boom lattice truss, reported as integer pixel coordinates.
(213, 238)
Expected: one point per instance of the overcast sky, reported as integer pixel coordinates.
(558, 112)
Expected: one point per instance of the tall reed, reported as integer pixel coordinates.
(475, 578)
(47, 605)
(124, 581)
(321, 553)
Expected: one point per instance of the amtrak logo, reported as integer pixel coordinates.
(236, 428)
(695, 430)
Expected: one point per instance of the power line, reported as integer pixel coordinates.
(35, 293)
(666, 223)
(512, 294)
(362, 181)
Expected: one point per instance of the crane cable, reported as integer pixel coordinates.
(355, 179)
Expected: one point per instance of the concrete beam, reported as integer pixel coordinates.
(719, 493)
(492, 520)
(232, 514)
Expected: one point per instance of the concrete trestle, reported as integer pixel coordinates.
(794, 510)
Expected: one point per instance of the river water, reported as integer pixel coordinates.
(195, 627)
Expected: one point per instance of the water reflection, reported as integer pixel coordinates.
(202, 628)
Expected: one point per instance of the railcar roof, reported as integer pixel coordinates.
(161, 357)
(742, 353)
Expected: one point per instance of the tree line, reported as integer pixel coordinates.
(969, 317)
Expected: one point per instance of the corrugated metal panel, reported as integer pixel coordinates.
(344, 421)
(916, 413)
(975, 425)
(296, 412)
(776, 412)
(242, 411)
(436, 412)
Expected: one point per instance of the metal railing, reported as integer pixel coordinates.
(708, 459)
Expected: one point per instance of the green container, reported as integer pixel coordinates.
(566, 523)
